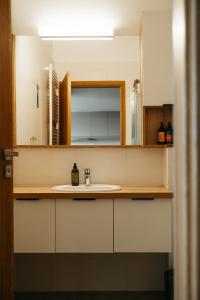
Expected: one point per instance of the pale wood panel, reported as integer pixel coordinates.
(46, 192)
(142, 226)
(65, 110)
(108, 83)
(153, 116)
(86, 146)
(34, 226)
(84, 226)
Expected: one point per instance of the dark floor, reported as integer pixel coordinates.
(91, 296)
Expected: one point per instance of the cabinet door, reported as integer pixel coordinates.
(34, 226)
(157, 59)
(84, 226)
(142, 225)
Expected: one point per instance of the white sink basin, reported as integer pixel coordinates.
(84, 188)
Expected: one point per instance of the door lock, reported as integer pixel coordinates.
(8, 171)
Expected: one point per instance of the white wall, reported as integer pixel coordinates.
(120, 49)
(157, 58)
(135, 166)
(32, 56)
(118, 59)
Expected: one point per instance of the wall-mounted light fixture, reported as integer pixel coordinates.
(60, 32)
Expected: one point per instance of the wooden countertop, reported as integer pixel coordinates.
(137, 192)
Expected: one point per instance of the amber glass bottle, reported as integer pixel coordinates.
(169, 134)
(161, 134)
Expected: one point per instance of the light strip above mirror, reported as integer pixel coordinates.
(60, 32)
(77, 38)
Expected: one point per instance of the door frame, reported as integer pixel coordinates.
(187, 207)
(6, 141)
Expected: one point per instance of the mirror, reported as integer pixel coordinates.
(78, 93)
(95, 114)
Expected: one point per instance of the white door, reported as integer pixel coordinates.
(84, 226)
(34, 226)
(143, 225)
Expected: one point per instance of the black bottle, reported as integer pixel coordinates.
(75, 175)
(161, 134)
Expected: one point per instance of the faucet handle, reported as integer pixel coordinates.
(87, 171)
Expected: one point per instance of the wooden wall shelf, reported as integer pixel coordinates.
(157, 146)
(153, 115)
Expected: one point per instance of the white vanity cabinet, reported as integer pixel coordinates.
(34, 226)
(84, 226)
(143, 225)
(92, 225)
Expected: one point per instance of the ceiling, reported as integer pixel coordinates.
(123, 15)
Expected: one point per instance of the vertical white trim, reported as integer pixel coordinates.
(50, 103)
(187, 148)
(181, 193)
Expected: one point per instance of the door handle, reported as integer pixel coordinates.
(27, 199)
(142, 199)
(84, 199)
(8, 153)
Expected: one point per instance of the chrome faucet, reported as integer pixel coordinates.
(87, 177)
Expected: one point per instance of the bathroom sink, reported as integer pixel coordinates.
(84, 188)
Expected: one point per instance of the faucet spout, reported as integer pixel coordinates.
(87, 177)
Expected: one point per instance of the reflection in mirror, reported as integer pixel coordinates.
(136, 114)
(31, 90)
(90, 116)
(95, 116)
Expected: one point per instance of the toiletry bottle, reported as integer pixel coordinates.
(169, 134)
(75, 175)
(161, 134)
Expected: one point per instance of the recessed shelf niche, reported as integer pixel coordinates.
(153, 115)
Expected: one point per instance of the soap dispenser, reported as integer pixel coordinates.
(75, 175)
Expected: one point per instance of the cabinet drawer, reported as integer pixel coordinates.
(34, 226)
(84, 226)
(142, 225)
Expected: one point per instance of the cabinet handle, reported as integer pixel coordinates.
(27, 199)
(142, 199)
(84, 199)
